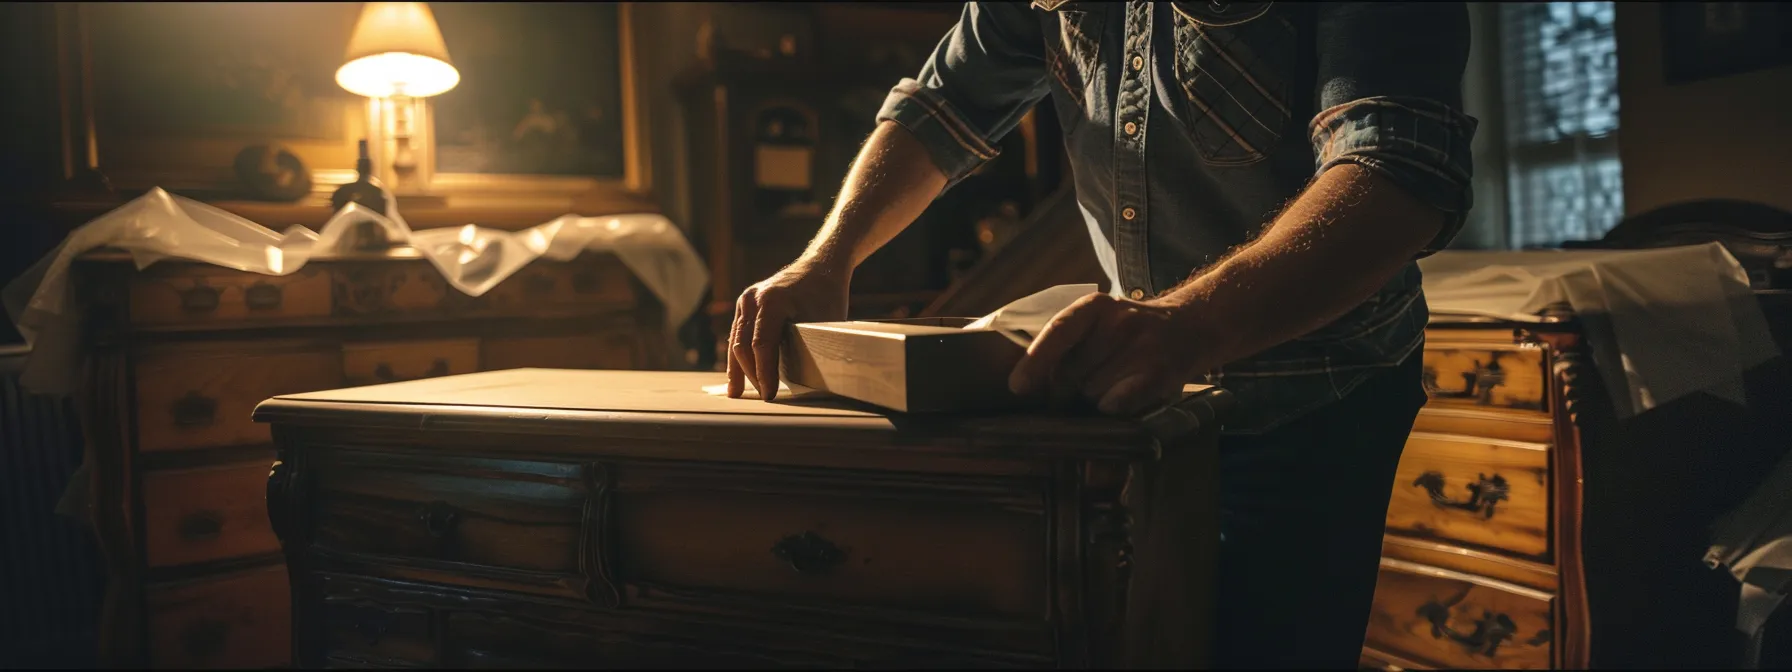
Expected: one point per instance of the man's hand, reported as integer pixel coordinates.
(1127, 357)
(805, 291)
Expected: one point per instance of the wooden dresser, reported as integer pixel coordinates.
(549, 518)
(1481, 563)
(179, 354)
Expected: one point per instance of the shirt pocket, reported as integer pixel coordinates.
(1234, 78)
(1073, 61)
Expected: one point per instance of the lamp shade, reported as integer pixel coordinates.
(397, 50)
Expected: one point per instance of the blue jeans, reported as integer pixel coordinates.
(1302, 513)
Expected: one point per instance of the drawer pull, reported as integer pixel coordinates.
(200, 299)
(1483, 494)
(201, 526)
(438, 518)
(808, 553)
(385, 374)
(205, 637)
(194, 410)
(1477, 384)
(1491, 630)
(262, 296)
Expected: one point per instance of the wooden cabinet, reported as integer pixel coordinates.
(179, 354)
(548, 518)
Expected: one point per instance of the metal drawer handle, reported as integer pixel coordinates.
(199, 299)
(1483, 494)
(201, 526)
(1477, 384)
(385, 374)
(438, 518)
(262, 296)
(194, 410)
(810, 554)
(1491, 629)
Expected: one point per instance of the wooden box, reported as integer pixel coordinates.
(559, 518)
(917, 365)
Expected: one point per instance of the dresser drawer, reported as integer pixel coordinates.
(378, 635)
(232, 621)
(494, 523)
(1485, 492)
(575, 286)
(1505, 378)
(614, 349)
(211, 513)
(822, 547)
(391, 362)
(201, 396)
(210, 296)
(1450, 619)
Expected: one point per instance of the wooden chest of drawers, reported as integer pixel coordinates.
(548, 518)
(177, 356)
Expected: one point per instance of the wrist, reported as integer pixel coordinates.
(826, 263)
(1203, 322)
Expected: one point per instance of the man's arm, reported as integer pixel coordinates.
(933, 130)
(1392, 154)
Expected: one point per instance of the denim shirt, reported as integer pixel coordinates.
(1191, 125)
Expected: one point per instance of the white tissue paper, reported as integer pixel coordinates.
(1023, 318)
(1662, 323)
(473, 259)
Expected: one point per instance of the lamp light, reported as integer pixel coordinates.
(395, 56)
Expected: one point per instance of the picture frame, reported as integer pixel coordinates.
(166, 94)
(148, 98)
(473, 142)
(1703, 40)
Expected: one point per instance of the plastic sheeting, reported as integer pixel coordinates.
(1662, 323)
(473, 259)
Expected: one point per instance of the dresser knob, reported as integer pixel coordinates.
(200, 299)
(1483, 494)
(808, 553)
(438, 518)
(385, 374)
(194, 410)
(262, 296)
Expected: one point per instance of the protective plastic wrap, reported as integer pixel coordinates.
(473, 259)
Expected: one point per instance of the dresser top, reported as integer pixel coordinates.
(587, 402)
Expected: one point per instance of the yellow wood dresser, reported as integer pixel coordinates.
(178, 354)
(1477, 569)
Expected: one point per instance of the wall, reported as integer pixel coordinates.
(1727, 137)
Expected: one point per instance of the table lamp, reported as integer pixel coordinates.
(395, 57)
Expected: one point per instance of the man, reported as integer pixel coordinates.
(1258, 179)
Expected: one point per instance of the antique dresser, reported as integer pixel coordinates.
(553, 518)
(178, 354)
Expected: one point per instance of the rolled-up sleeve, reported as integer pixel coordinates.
(981, 79)
(1390, 95)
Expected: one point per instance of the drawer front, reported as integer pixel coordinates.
(379, 635)
(204, 296)
(205, 514)
(1485, 492)
(201, 398)
(481, 523)
(234, 621)
(821, 547)
(550, 287)
(482, 641)
(376, 363)
(1454, 620)
(610, 350)
(1486, 377)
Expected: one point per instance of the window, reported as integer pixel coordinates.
(1558, 66)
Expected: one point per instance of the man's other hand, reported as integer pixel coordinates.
(1127, 357)
(802, 292)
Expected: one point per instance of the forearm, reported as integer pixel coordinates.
(890, 184)
(1339, 242)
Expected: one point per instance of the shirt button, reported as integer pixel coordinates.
(1131, 128)
(1129, 213)
(1136, 294)
(1138, 62)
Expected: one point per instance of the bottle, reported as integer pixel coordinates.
(364, 190)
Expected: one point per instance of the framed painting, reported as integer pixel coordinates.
(547, 104)
(166, 94)
(1702, 40)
